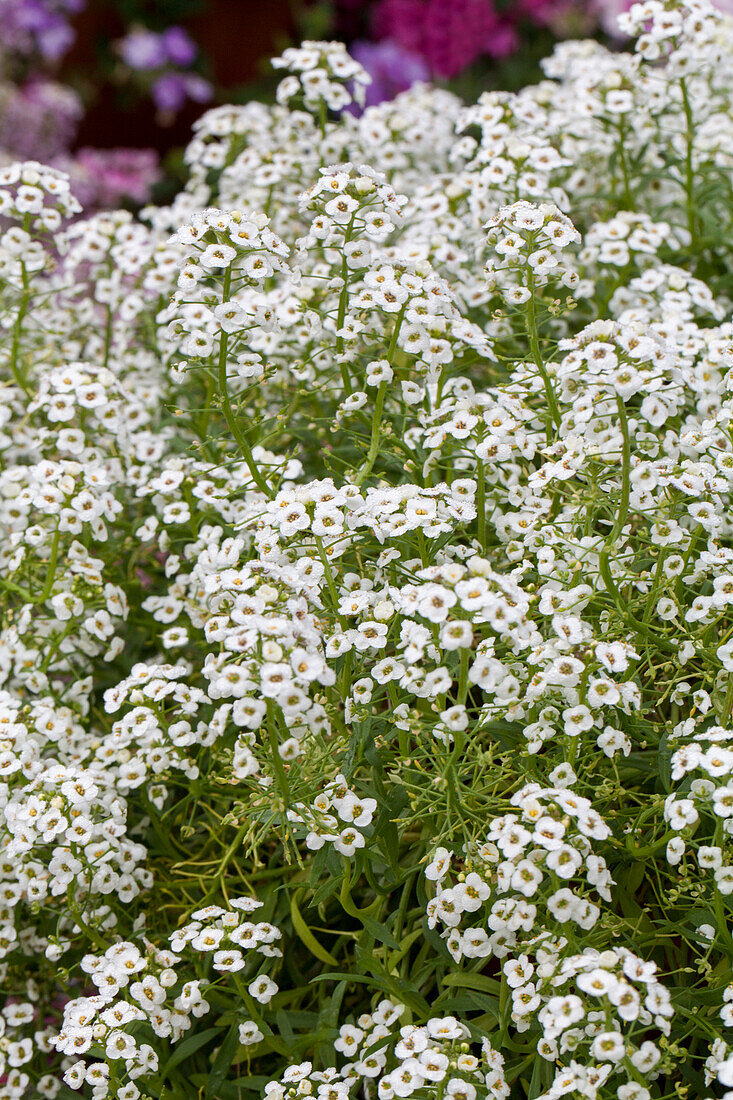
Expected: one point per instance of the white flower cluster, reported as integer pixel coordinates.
(321, 72)
(434, 1060)
(596, 1011)
(708, 753)
(530, 239)
(38, 197)
(148, 988)
(522, 879)
(366, 547)
(324, 827)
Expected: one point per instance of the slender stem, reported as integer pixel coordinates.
(625, 166)
(75, 911)
(51, 570)
(345, 686)
(481, 502)
(718, 904)
(534, 343)
(108, 335)
(229, 416)
(277, 762)
(623, 508)
(689, 168)
(343, 302)
(463, 676)
(17, 329)
(330, 582)
(366, 469)
(727, 703)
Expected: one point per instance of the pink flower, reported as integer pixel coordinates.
(449, 34)
(104, 178)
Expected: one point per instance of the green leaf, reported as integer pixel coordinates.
(283, 1023)
(306, 936)
(222, 1062)
(664, 762)
(473, 981)
(379, 931)
(187, 1047)
(541, 1077)
(233, 1090)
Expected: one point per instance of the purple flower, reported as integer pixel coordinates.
(171, 90)
(393, 69)
(179, 47)
(198, 89)
(143, 50)
(38, 121)
(30, 26)
(55, 39)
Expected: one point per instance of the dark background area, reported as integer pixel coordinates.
(236, 37)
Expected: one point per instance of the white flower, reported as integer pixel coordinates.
(249, 1033)
(439, 865)
(608, 1047)
(263, 989)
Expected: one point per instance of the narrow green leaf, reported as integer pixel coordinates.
(187, 1047)
(222, 1062)
(473, 981)
(307, 937)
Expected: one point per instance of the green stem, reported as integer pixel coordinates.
(481, 503)
(75, 911)
(366, 469)
(277, 762)
(51, 570)
(343, 303)
(623, 505)
(108, 336)
(463, 676)
(330, 582)
(720, 914)
(229, 416)
(623, 508)
(689, 169)
(625, 167)
(17, 329)
(345, 686)
(534, 343)
(728, 703)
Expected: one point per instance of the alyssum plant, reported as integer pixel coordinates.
(366, 719)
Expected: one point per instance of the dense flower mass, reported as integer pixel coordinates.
(366, 571)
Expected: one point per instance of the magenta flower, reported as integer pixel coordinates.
(448, 34)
